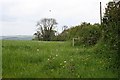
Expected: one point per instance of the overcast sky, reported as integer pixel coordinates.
(19, 17)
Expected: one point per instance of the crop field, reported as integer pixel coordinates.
(42, 59)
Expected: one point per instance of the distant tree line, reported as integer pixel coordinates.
(87, 32)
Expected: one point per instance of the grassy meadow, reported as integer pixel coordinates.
(42, 59)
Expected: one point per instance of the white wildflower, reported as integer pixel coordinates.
(37, 49)
(64, 61)
(60, 63)
(56, 55)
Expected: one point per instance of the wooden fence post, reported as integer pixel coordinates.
(73, 42)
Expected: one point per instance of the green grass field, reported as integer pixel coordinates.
(36, 59)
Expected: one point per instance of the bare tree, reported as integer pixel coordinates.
(64, 27)
(46, 28)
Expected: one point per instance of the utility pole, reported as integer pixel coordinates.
(100, 13)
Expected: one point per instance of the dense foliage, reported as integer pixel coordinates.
(86, 33)
(111, 24)
(111, 30)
